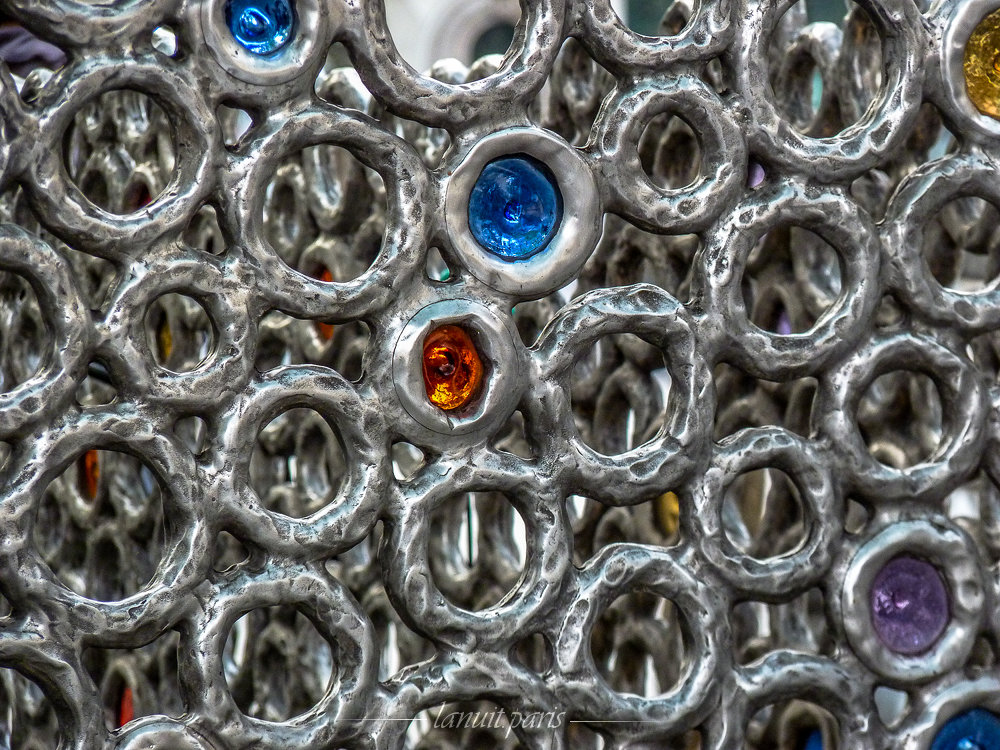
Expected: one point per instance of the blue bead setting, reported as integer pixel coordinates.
(977, 729)
(515, 207)
(261, 26)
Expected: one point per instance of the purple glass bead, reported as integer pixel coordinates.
(909, 605)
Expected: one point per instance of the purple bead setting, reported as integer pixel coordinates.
(909, 605)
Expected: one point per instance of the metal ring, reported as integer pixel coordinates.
(552, 267)
(289, 62)
(758, 449)
(861, 146)
(718, 276)
(918, 201)
(952, 553)
(964, 403)
(503, 377)
(959, 21)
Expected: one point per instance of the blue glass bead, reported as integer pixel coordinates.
(815, 741)
(515, 207)
(977, 729)
(262, 26)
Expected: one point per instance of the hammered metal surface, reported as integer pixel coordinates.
(758, 360)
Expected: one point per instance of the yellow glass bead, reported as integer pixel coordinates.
(668, 513)
(453, 370)
(982, 65)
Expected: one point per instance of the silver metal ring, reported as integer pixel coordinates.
(279, 67)
(555, 265)
(959, 24)
(503, 369)
(951, 552)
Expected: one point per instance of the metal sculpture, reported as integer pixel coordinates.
(619, 392)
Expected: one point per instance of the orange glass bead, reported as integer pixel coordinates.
(453, 370)
(90, 473)
(126, 710)
(325, 330)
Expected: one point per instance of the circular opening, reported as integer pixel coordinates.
(25, 341)
(204, 233)
(112, 551)
(284, 340)
(298, 464)
(407, 461)
(621, 394)
(796, 82)
(798, 87)
(900, 418)
(276, 664)
(229, 552)
(452, 368)
(762, 514)
(179, 333)
(119, 149)
(261, 26)
(477, 549)
(641, 645)
(193, 432)
(892, 705)
(495, 40)
(316, 197)
(670, 152)
(798, 625)
(164, 40)
(960, 245)
(515, 208)
(909, 605)
(792, 277)
(655, 17)
(982, 65)
(534, 652)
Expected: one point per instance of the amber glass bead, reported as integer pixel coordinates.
(982, 65)
(325, 330)
(165, 341)
(90, 473)
(453, 370)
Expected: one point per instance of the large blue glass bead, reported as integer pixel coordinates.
(977, 729)
(515, 207)
(262, 26)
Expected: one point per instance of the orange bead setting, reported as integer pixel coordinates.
(453, 369)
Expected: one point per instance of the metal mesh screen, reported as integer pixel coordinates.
(755, 364)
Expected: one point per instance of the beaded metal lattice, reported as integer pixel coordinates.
(745, 391)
